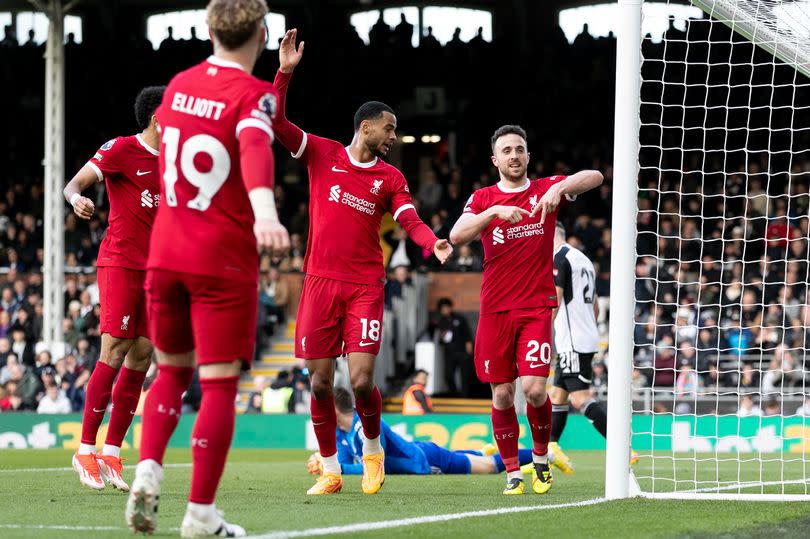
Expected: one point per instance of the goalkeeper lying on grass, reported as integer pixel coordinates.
(402, 456)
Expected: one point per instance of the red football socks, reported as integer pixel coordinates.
(211, 437)
(161, 410)
(540, 424)
(324, 421)
(99, 389)
(125, 397)
(370, 410)
(507, 431)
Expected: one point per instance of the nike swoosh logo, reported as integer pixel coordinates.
(335, 169)
(139, 173)
(99, 411)
(535, 365)
(318, 424)
(365, 343)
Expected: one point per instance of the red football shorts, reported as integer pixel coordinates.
(212, 316)
(513, 343)
(123, 306)
(336, 317)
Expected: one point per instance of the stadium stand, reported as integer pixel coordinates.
(716, 351)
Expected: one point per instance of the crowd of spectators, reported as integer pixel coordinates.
(722, 280)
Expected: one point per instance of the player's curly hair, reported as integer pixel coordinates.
(234, 21)
(146, 104)
(506, 130)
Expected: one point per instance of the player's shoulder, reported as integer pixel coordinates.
(561, 257)
(116, 146)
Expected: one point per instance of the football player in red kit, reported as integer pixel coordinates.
(515, 221)
(129, 166)
(216, 164)
(351, 189)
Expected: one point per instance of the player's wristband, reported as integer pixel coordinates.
(73, 198)
(263, 203)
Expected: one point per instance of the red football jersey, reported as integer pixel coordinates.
(204, 225)
(130, 168)
(518, 258)
(348, 200)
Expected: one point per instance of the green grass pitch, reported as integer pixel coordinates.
(263, 490)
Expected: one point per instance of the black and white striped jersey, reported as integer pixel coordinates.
(575, 327)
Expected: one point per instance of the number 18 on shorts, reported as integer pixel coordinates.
(513, 343)
(336, 317)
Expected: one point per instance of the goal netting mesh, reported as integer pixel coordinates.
(722, 311)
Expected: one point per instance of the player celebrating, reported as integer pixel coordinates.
(129, 165)
(576, 339)
(202, 273)
(341, 307)
(517, 294)
(402, 456)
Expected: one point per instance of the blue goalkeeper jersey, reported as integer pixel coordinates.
(401, 456)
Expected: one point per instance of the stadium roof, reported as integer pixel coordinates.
(157, 6)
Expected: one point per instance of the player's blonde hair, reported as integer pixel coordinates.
(234, 21)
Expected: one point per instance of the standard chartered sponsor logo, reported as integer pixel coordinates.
(497, 236)
(350, 200)
(524, 231)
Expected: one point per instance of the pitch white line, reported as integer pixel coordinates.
(387, 524)
(59, 527)
(69, 469)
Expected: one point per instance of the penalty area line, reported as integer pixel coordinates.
(429, 519)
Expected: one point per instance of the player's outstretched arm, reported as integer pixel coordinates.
(258, 166)
(469, 226)
(288, 134)
(421, 234)
(574, 185)
(83, 207)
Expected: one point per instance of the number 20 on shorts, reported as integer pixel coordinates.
(544, 349)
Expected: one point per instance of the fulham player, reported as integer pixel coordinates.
(515, 221)
(129, 166)
(216, 166)
(351, 189)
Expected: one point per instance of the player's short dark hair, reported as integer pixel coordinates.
(343, 401)
(370, 110)
(444, 302)
(146, 104)
(508, 129)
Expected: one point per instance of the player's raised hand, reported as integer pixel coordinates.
(442, 249)
(548, 203)
(315, 464)
(271, 235)
(513, 214)
(84, 208)
(288, 53)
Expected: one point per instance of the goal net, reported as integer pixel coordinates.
(721, 334)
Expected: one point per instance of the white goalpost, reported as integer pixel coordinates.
(709, 358)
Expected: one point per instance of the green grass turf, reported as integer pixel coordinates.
(263, 490)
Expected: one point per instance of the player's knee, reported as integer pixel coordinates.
(535, 395)
(578, 399)
(503, 396)
(362, 384)
(116, 354)
(321, 388)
